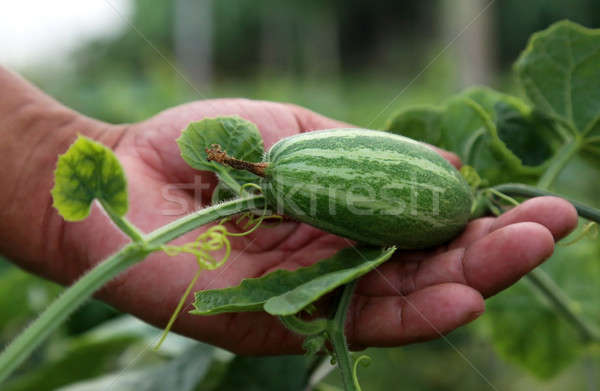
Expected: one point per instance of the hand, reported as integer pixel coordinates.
(415, 296)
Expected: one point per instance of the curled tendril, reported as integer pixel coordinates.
(364, 361)
(213, 239)
(590, 230)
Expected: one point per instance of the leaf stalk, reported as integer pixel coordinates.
(335, 331)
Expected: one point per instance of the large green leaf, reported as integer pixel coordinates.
(522, 136)
(238, 137)
(525, 327)
(82, 360)
(183, 373)
(88, 171)
(497, 134)
(560, 74)
(288, 373)
(419, 123)
(576, 269)
(22, 297)
(526, 330)
(290, 291)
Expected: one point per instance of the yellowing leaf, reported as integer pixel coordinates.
(88, 171)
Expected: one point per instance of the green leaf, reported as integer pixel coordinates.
(296, 299)
(277, 373)
(73, 364)
(524, 326)
(560, 74)
(238, 137)
(497, 134)
(286, 292)
(525, 136)
(576, 269)
(22, 297)
(183, 373)
(526, 330)
(88, 171)
(419, 123)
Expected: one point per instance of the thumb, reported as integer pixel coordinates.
(308, 120)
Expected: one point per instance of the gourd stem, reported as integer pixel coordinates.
(215, 153)
(335, 331)
(134, 252)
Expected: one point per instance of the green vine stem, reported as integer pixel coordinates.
(80, 291)
(124, 224)
(335, 331)
(519, 190)
(559, 161)
(563, 303)
(542, 281)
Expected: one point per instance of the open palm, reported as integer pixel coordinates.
(415, 296)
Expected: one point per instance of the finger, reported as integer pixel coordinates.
(556, 214)
(489, 265)
(425, 314)
(475, 230)
(308, 120)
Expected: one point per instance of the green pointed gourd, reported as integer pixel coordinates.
(370, 186)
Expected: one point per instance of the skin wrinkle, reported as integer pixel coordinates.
(357, 306)
(21, 176)
(292, 243)
(154, 164)
(297, 119)
(251, 334)
(120, 130)
(461, 262)
(322, 242)
(273, 246)
(410, 278)
(400, 312)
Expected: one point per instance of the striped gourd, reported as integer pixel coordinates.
(374, 187)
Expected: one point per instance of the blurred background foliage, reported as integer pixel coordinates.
(353, 60)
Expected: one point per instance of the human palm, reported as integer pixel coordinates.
(416, 295)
